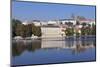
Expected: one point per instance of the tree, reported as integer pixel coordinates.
(28, 29)
(86, 30)
(36, 30)
(83, 24)
(83, 31)
(89, 30)
(14, 22)
(93, 29)
(20, 30)
(70, 24)
(69, 31)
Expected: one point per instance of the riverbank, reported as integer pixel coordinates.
(67, 38)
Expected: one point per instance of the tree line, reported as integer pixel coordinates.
(19, 29)
(86, 29)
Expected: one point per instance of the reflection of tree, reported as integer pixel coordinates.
(94, 43)
(29, 46)
(33, 46)
(69, 42)
(78, 47)
(19, 47)
(88, 42)
(82, 45)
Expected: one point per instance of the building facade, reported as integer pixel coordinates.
(51, 31)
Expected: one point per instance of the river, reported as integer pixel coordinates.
(53, 50)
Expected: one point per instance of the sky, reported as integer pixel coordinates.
(49, 11)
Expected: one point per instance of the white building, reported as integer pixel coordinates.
(64, 21)
(55, 28)
(51, 31)
(36, 22)
(53, 22)
(87, 21)
(44, 23)
(25, 23)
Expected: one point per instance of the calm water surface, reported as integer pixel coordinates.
(53, 50)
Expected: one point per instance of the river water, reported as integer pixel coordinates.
(53, 50)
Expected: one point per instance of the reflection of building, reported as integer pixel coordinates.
(53, 42)
(76, 45)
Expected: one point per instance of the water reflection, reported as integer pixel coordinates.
(77, 45)
(19, 47)
(80, 44)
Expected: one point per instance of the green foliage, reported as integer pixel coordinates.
(88, 30)
(83, 31)
(17, 49)
(69, 31)
(83, 24)
(19, 29)
(93, 29)
(28, 30)
(69, 23)
(14, 22)
(36, 30)
(77, 34)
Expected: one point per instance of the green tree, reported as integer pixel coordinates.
(70, 24)
(69, 31)
(28, 30)
(14, 22)
(93, 29)
(83, 24)
(36, 30)
(89, 30)
(20, 30)
(83, 31)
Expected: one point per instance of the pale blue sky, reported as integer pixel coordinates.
(49, 11)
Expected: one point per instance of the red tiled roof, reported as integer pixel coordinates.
(87, 20)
